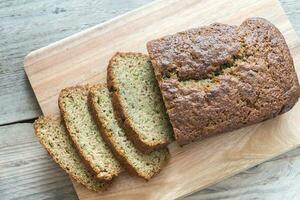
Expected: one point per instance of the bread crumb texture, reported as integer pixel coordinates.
(52, 135)
(144, 165)
(84, 132)
(137, 89)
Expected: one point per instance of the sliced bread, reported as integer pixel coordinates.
(137, 101)
(85, 134)
(52, 135)
(143, 165)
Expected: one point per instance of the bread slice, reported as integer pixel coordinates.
(143, 165)
(137, 101)
(85, 134)
(52, 135)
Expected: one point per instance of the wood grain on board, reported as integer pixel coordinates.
(26, 25)
(83, 58)
(26, 172)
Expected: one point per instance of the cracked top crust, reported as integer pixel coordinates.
(220, 77)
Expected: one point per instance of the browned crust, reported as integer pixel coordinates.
(64, 115)
(121, 113)
(105, 132)
(43, 120)
(294, 92)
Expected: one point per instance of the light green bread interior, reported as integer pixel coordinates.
(141, 98)
(145, 164)
(87, 135)
(53, 136)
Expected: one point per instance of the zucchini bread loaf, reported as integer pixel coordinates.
(220, 77)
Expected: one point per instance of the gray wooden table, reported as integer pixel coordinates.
(26, 171)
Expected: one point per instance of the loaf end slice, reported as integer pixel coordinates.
(52, 135)
(136, 162)
(137, 101)
(85, 133)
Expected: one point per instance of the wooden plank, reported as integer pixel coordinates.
(82, 58)
(292, 10)
(277, 179)
(28, 25)
(26, 170)
(29, 173)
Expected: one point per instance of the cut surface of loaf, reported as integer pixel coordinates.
(137, 101)
(220, 77)
(143, 165)
(52, 135)
(73, 104)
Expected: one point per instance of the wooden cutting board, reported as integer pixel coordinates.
(83, 57)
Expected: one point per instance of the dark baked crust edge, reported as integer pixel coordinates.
(36, 125)
(104, 132)
(121, 113)
(294, 91)
(86, 161)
